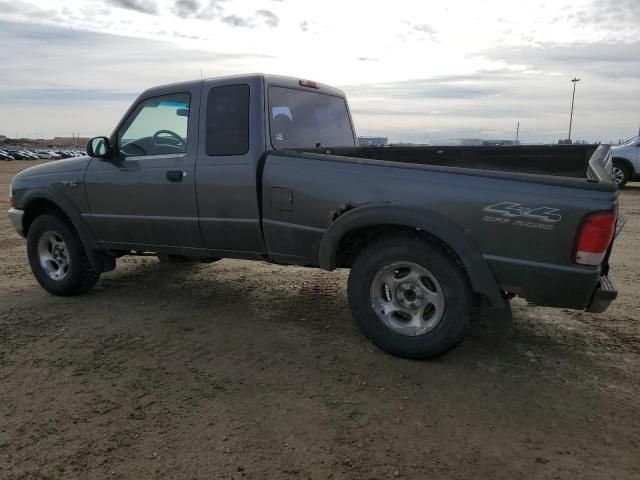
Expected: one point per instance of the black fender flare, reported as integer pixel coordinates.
(627, 163)
(100, 261)
(482, 278)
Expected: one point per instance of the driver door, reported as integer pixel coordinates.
(146, 198)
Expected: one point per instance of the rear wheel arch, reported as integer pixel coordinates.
(358, 227)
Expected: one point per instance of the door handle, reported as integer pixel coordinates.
(175, 175)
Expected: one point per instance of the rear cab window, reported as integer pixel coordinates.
(307, 119)
(228, 120)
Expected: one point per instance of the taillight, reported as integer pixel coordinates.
(595, 237)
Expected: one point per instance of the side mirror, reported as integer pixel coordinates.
(99, 147)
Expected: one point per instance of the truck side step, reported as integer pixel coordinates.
(604, 294)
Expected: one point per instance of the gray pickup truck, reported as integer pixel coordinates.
(266, 167)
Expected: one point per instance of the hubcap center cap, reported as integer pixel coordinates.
(409, 295)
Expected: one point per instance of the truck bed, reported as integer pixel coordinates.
(578, 161)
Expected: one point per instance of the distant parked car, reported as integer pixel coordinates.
(29, 155)
(5, 156)
(17, 154)
(626, 161)
(64, 153)
(47, 154)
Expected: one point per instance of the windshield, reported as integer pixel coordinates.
(308, 119)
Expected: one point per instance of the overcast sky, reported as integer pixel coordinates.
(413, 70)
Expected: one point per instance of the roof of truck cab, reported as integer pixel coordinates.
(275, 80)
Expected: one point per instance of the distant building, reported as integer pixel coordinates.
(458, 142)
(499, 142)
(372, 141)
(69, 141)
(3, 138)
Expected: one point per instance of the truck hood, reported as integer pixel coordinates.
(58, 166)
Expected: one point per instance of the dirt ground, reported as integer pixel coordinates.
(250, 370)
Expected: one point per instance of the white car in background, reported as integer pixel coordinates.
(47, 154)
(626, 161)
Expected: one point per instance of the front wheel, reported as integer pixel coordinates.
(409, 297)
(57, 257)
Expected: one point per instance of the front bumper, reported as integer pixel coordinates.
(604, 294)
(15, 216)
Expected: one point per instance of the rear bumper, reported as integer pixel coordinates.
(546, 285)
(15, 216)
(604, 294)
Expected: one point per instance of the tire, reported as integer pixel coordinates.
(76, 276)
(444, 289)
(621, 174)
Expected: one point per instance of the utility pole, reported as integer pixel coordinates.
(517, 132)
(574, 80)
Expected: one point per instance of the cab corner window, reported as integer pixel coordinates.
(158, 126)
(228, 120)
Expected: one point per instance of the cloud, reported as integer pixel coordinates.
(27, 10)
(489, 103)
(449, 88)
(608, 60)
(61, 96)
(426, 29)
(214, 9)
(261, 17)
(142, 6)
(236, 21)
(495, 65)
(269, 18)
(102, 74)
(186, 8)
(608, 13)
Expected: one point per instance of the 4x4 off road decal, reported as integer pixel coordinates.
(532, 217)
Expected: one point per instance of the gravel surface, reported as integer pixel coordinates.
(250, 370)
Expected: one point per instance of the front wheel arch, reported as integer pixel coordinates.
(626, 167)
(38, 205)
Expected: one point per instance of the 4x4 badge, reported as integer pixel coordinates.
(516, 210)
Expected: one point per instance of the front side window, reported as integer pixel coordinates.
(158, 126)
(304, 119)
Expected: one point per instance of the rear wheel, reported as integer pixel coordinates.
(57, 257)
(409, 297)
(620, 174)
